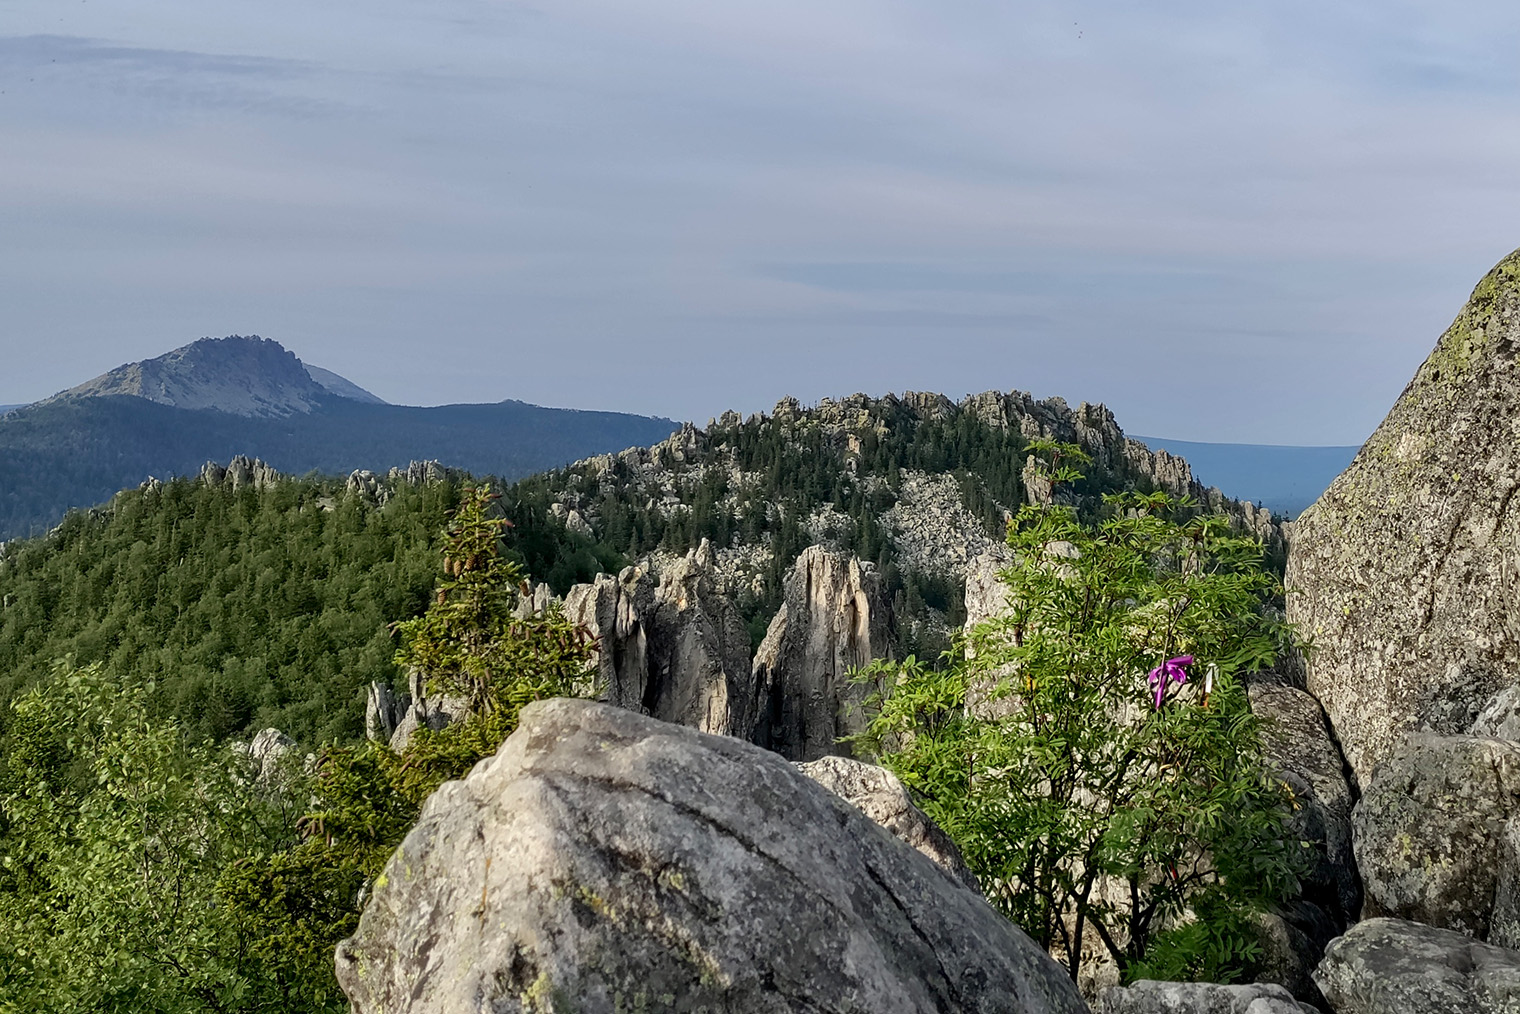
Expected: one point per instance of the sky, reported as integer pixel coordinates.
(1241, 222)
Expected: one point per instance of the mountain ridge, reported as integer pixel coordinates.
(239, 375)
(218, 398)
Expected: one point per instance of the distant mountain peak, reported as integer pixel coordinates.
(239, 375)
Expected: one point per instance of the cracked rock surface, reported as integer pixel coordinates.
(1404, 573)
(605, 861)
(1390, 966)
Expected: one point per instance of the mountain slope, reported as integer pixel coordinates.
(915, 484)
(76, 452)
(247, 376)
(341, 386)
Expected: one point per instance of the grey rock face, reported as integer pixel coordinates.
(612, 862)
(535, 602)
(1428, 827)
(1297, 745)
(699, 653)
(1500, 718)
(986, 595)
(833, 619)
(1404, 572)
(678, 650)
(616, 611)
(266, 751)
(1150, 997)
(876, 792)
(381, 713)
(424, 711)
(1390, 966)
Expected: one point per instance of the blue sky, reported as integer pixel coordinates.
(1241, 222)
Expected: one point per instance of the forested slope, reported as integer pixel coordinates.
(77, 452)
(246, 606)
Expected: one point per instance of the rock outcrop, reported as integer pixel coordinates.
(1404, 573)
(699, 657)
(1429, 826)
(1389, 966)
(678, 650)
(616, 611)
(240, 471)
(1150, 997)
(266, 752)
(617, 863)
(877, 793)
(381, 712)
(423, 711)
(986, 594)
(833, 619)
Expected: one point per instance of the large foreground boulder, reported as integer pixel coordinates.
(1390, 966)
(1404, 572)
(1429, 829)
(604, 861)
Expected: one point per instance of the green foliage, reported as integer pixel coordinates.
(81, 451)
(116, 831)
(299, 902)
(242, 609)
(801, 467)
(1083, 805)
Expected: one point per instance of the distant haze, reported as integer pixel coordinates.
(1282, 479)
(1244, 222)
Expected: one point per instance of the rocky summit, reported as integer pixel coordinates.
(247, 376)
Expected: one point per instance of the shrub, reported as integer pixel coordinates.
(1090, 797)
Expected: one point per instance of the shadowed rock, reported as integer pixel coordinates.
(678, 650)
(1428, 830)
(833, 619)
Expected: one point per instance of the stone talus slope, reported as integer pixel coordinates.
(603, 861)
(1406, 572)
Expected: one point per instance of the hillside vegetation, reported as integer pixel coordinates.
(243, 608)
(78, 452)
